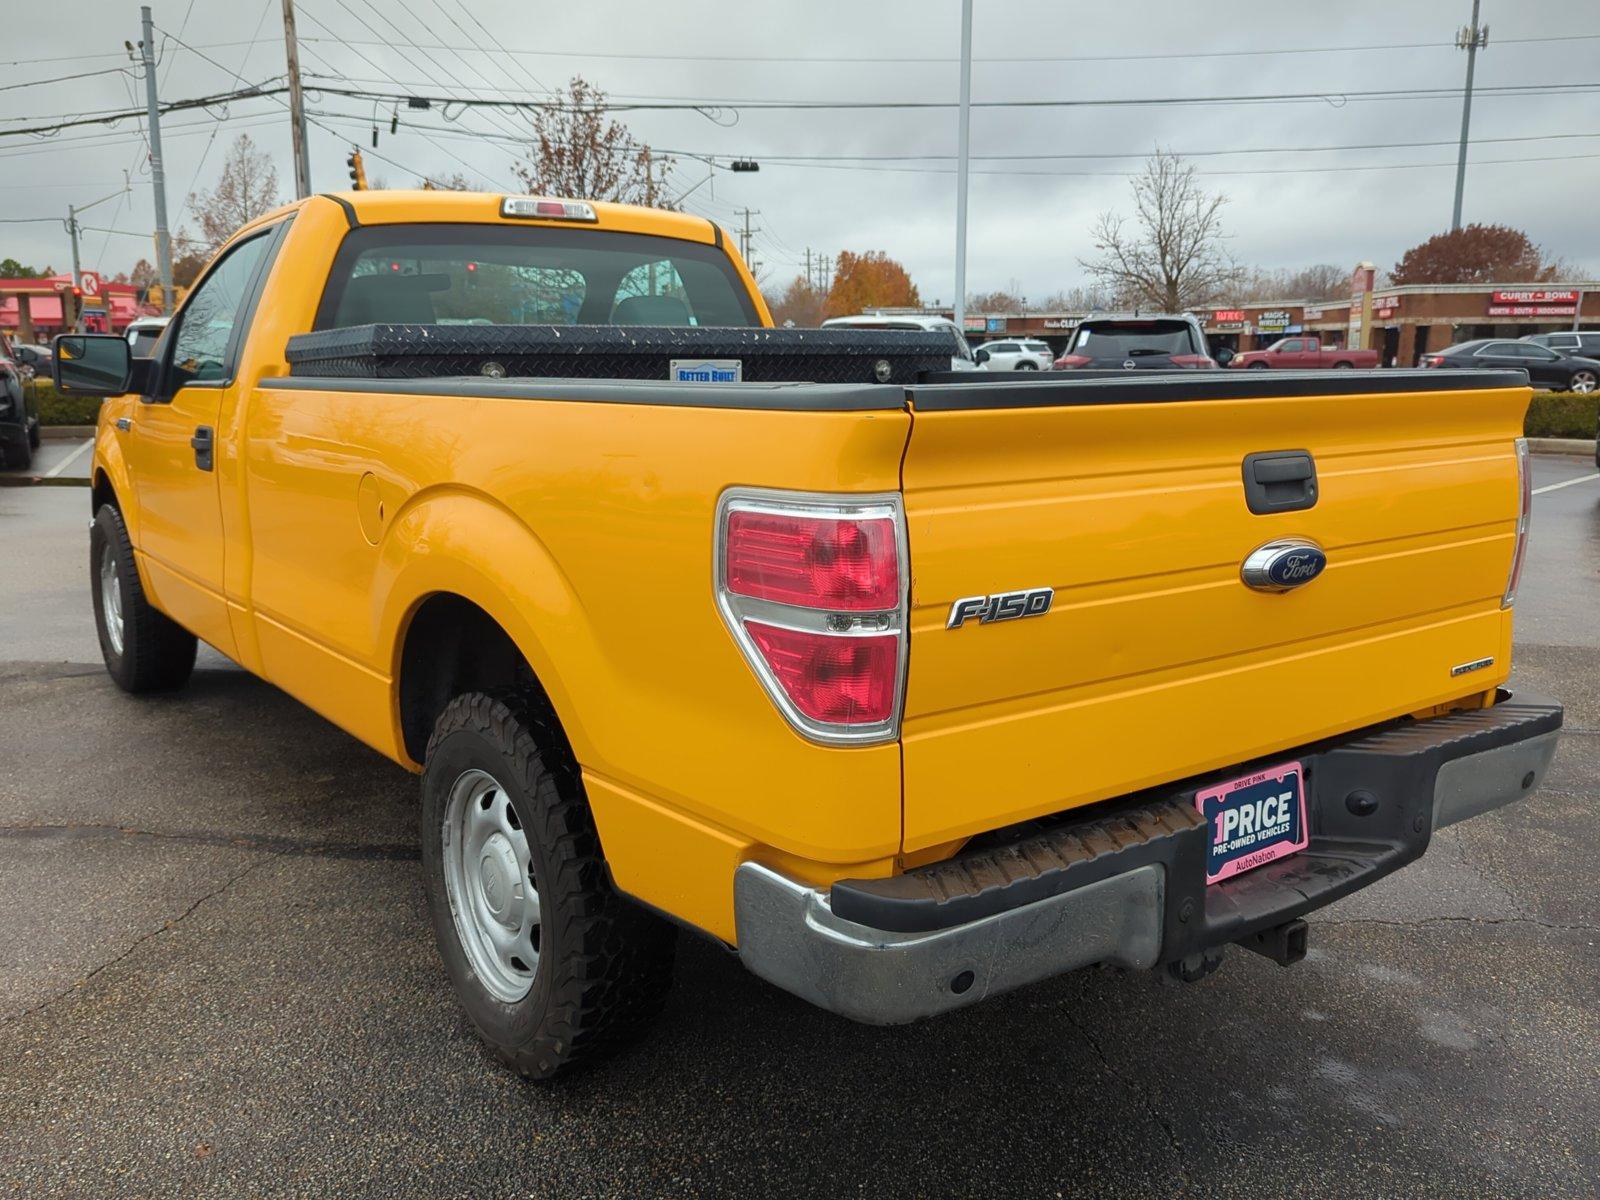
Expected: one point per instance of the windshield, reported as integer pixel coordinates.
(510, 275)
(1131, 339)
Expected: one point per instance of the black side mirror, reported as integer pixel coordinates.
(1224, 356)
(93, 364)
(981, 356)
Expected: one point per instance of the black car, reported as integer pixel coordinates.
(1545, 367)
(1137, 343)
(19, 428)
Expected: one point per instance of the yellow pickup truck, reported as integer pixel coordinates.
(910, 687)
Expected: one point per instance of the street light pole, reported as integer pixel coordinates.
(961, 163)
(158, 175)
(1469, 39)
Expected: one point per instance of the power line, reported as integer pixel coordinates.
(111, 116)
(1334, 98)
(11, 87)
(998, 58)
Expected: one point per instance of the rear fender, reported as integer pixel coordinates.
(465, 543)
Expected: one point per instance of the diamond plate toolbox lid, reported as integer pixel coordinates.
(708, 356)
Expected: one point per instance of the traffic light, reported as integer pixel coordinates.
(745, 164)
(358, 171)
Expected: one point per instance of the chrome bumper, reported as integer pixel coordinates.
(1156, 910)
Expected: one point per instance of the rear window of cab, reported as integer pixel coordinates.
(442, 274)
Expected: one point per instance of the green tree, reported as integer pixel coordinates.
(10, 268)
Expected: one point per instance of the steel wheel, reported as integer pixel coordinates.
(111, 597)
(489, 879)
(1583, 381)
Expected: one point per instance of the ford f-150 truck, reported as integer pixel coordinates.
(911, 688)
(1303, 354)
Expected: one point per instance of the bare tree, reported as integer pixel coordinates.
(1173, 257)
(247, 188)
(1078, 299)
(1320, 281)
(453, 182)
(579, 152)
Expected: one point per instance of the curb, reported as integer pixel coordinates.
(1561, 446)
(66, 431)
(20, 481)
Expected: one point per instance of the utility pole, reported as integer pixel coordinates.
(746, 233)
(811, 282)
(1471, 39)
(965, 124)
(158, 175)
(297, 106)
(77, 272)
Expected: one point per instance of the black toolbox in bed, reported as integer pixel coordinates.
(683, 354)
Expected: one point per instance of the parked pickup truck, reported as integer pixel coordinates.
(1303, 353)
(911, 692)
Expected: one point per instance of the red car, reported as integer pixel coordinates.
(1303, 354)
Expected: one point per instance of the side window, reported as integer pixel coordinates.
(1292, 346)
(201, 347)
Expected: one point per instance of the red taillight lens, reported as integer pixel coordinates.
(1524, 515)
(1195, 362)
(815, 562)
(813, 591)
(1068, 361)
(1431, 360)
(833, 679)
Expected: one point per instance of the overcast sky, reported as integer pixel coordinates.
(1029, 215)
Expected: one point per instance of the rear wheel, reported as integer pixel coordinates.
(553, 966)
(1583, 381)
(1027, 366)
(19, 456)
(1256, 366)
(1343, 366)
(144, 650)
(33, 435)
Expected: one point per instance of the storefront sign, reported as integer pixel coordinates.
(1275, 321)
(1531, 310)
(1313, 314)
(971, 324)
(1058, 323)
(1534, 297)
(995, 325)
(1222, 315)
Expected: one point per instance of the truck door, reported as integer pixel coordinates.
(1313, 352)
(172, 445)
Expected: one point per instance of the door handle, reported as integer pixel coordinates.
(202, 442)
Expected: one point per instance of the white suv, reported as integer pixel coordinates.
(1016, 354)
(962, 360)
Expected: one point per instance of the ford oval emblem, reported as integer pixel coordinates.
(1282, 565)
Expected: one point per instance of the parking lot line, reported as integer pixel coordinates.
(68, 460)
(1550, 487)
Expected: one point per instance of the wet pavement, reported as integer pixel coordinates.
(216, 978)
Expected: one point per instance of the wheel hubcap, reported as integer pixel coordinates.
(1583, 382)
(488, 876)
(111, 598)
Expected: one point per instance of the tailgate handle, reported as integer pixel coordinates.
(1280, 481)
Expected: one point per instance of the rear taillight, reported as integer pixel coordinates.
(1431, 360)
(1524, 513)
(1069, 361)
(1195, 362)
(813, 588)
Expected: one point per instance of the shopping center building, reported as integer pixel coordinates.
(1401, 322)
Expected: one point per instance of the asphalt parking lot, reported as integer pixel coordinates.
(216, 977)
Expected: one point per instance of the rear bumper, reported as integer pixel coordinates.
(1126, 884)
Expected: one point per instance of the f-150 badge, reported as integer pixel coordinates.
(1001, 606)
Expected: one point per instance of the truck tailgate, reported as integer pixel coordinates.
(1155, 661)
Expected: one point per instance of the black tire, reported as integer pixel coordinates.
(1343, 366)
(1027, 366)
(157, 654)
(33, 435)
(20, 456)
(1256, 366)
(605, 964)
(1586, 380)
